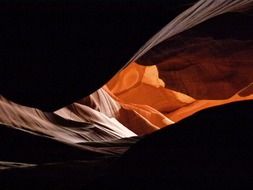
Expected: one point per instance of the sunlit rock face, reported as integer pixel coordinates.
(138, 89)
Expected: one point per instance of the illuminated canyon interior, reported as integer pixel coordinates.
(195, 70)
